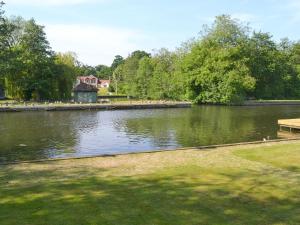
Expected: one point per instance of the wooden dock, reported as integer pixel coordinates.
(291, 124)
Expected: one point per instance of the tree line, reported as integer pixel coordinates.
(227, 63)
(30, 70)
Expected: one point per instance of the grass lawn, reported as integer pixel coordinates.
(238, 185)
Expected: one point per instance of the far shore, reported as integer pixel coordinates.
(92, 106)
(13, 106)
(271, 102)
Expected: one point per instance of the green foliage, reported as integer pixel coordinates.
(226, 64)
(34, 71)
(6, 30)
(117, 62)
(162, 84)
(270, 66)
(125, 75)
(216, 66)
(30, 70)
(86, 70)
(143, 77)
(103, 72)
(66, 65)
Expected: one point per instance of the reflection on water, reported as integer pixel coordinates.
(35, 135)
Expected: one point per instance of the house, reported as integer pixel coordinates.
(91, 80)
(85, 93)
(103, 83)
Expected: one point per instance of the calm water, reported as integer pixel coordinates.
(36, 135)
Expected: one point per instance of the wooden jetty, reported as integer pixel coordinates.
(290, 124)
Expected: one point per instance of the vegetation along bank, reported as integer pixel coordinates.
(228, 63)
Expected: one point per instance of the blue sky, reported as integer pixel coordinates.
(97, 30)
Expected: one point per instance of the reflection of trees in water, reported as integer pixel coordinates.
(156, 126)
(49, 134)
(36, 135)
(205, 125)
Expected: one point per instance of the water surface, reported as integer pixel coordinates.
(38, 135)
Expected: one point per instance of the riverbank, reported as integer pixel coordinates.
(257, 184)
(96, 106)
(271, 103)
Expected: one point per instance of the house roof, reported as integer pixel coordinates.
(85, 77)
(104, 81)
(83, 87)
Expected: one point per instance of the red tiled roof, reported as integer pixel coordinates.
(104, 81)
(85, 77)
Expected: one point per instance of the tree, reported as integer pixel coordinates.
(264, 67)
(38, 60)
(6, 30)
(30, 72)
(66, 65)
(162, 83)
(118, 79)
(128, 69)
(117, 62)
(103, 72)
(86, 70)
(216, 66)
(143, 77)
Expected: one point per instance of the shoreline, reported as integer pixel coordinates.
(271, 103)
(134, 105)
(200, 148)
(111, 106)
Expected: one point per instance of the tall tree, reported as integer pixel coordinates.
(6, 30)
(103, 71)
(144, 77)
(66, 66)
(117, 62)
(30, 75)
(86, 70)
(216, 67)
(162, 83)
(264, 66)
(129, 68)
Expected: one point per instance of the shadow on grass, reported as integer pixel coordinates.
(188, 197)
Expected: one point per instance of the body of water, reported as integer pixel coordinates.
(39, 135)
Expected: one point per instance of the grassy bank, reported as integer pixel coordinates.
(238, 185)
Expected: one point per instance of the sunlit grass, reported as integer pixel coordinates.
(244, 185)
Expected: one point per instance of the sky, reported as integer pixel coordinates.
(97, 30)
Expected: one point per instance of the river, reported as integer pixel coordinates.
(40, 135)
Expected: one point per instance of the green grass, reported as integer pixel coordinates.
(275, 156)
(244, 185)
